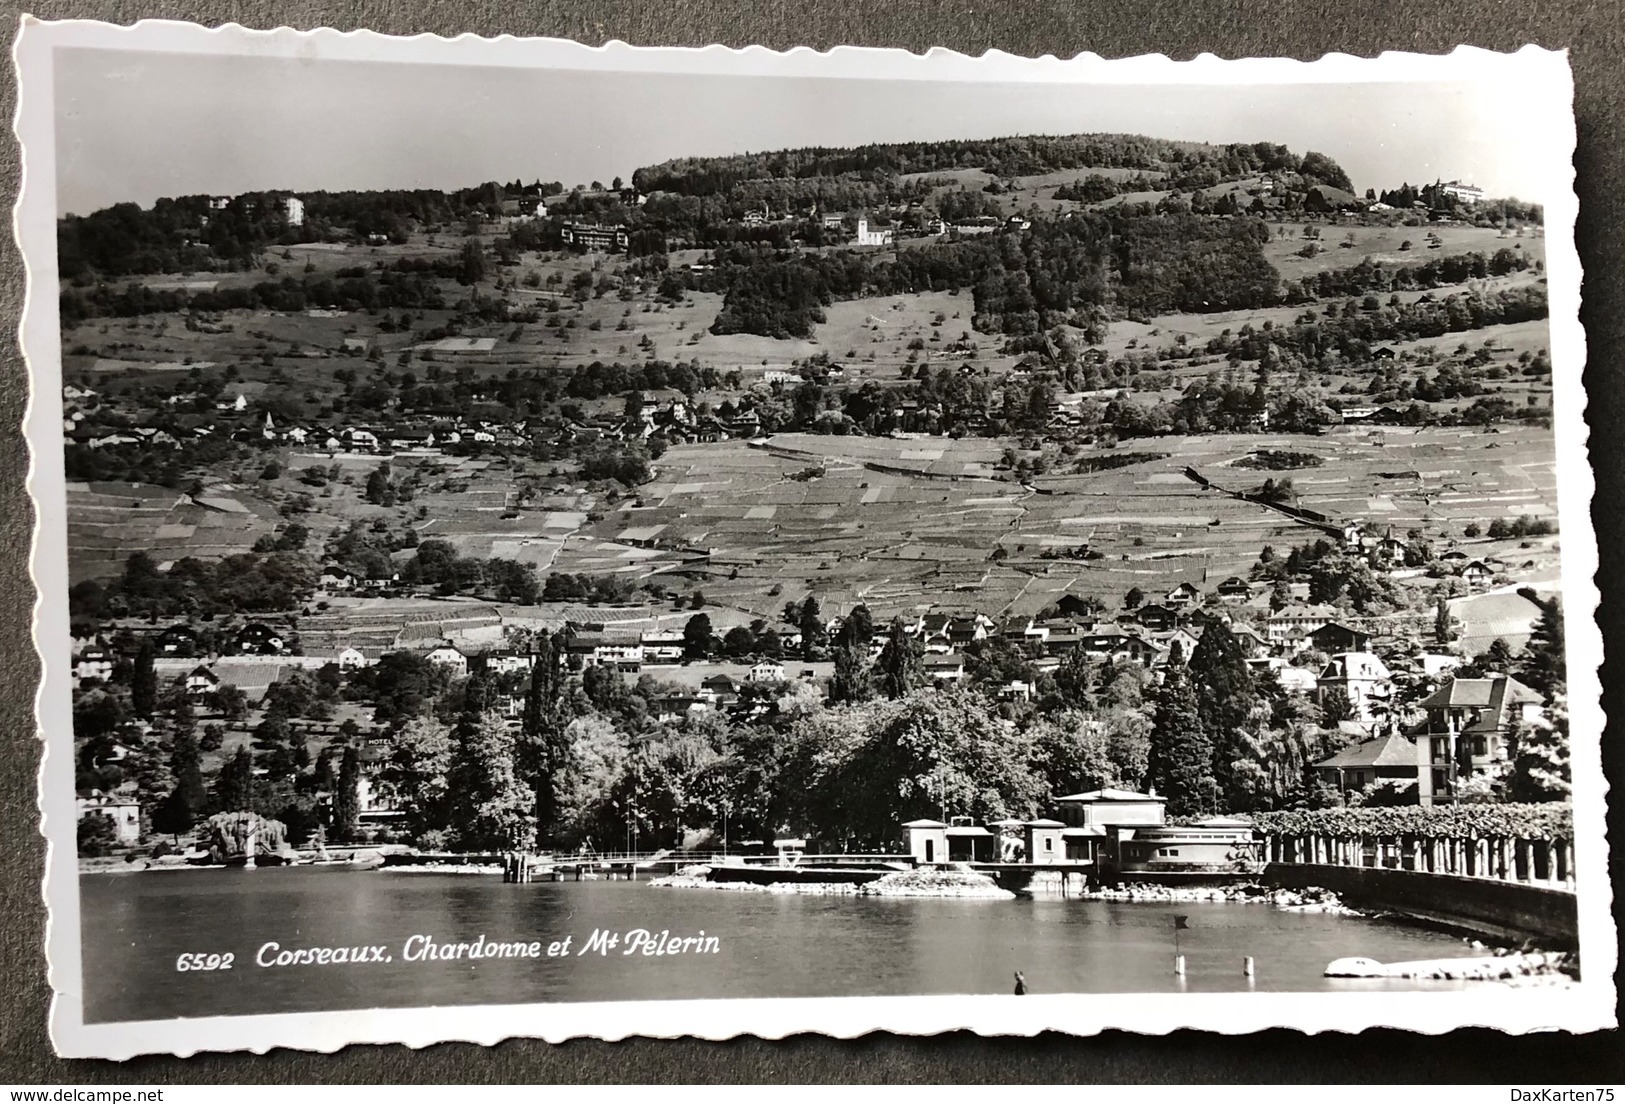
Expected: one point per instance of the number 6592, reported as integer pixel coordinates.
(200, 961)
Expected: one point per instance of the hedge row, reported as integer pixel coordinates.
(1553, 820)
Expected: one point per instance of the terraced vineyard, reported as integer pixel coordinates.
(896, 523)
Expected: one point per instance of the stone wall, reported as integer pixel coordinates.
(1504, 911)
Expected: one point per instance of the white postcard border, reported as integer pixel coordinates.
(1587, 1005)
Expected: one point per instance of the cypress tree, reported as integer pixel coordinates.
(186, 766)
(1545, 666)
(347, 798)
(544, 748)
(144, 683)
(1225, 701)
(1181, 758)
(234, 790)
(901, 670)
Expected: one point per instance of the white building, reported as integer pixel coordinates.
(92, 665)
(295, 208)
(662, 646)
(352, 659)
(766, 671)
(867, 236)
(448, 656)
(1467, 193)
(506, 663)
(123, 811)
(1364, 678)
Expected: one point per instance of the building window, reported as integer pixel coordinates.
(1478, 745)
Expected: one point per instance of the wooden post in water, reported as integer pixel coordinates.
(1247, 966)
(1179, 965)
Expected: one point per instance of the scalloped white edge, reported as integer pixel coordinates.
(1588, 1005)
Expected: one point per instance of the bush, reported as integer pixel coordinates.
(97, 835)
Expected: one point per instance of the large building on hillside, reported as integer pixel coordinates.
(594, 237)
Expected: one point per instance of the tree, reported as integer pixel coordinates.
(1444, 625)
(492, 807)
(471, 262)
(1180, 765)
(97, 835)
(179, 811)
(900, 666)
(174, 814)
(698, 639)
(932, 754)
(1073, 753)
(1335, 706)
(1133, 598)
(1545, 667)
(1226, 701)
(1541, 768)
(380, 491)
(851, 680)
(420, 761)
(811, 623)
(234, 789)
(347, 797)
(543, 753)
(144, 682)
(1497, 658)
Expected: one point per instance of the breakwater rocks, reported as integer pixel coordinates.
(898, 883)
(699, 877)
(1309, 899)
(935, 883)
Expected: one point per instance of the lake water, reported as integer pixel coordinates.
(769, 945)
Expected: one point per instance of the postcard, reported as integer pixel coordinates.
(540, 540)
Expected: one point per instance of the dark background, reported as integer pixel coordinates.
(1594, 32)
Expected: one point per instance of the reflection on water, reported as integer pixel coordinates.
(771, 945)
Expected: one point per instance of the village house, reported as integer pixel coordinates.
(1156, 618)
(201, 682)
(1234, 590)
(1182, 596)
(944, 669)
(1387, 757)
(335, 579)
(352, 659)
(1389, 553)
(1470, 725)
(92, 665)
(122, 809)
(1335, 637)
(450, 657)
(768, 670)
(1249, 639)
(624, 655)
(1364, 678)
(178, 640)
(258, 639)
(1117, 646)
(506, 663)
(1295, 623)
(1477, 575)
(662, 646)
(718, 687)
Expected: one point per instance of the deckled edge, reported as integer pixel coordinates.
(1589, 1006)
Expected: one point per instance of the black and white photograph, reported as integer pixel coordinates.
(548, 541)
